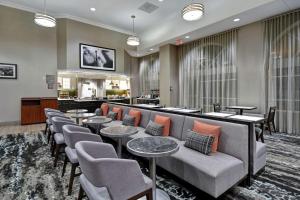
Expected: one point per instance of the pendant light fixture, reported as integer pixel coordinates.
(193, 12)
(133, 40)
(42, 19)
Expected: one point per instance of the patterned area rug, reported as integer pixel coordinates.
(27, 172)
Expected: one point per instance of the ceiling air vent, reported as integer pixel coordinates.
(148, 7)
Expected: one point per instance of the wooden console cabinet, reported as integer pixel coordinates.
(32, 109)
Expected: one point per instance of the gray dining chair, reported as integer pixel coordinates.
(49, 116)
(72, 135)
(48, 110)
(104, 176)
(58, 137)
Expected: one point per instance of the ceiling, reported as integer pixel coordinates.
(165, 24)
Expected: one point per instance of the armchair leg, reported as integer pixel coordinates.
(52, 148)
(64, 166)
(81, 192)
(262, 136)
(149, 195)
(49, 135)
(46, 128)
(72, 175)
(57, 148)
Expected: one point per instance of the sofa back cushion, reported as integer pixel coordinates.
(137, 116)
(208, 129)
(104, 108)
(165, 121)
(118, 110)
(176, 123)
(233, 139)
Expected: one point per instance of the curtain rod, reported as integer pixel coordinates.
(282, 14)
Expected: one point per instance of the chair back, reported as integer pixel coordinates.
(51, 110)
(217, 107)
(75, 133)
(88, 154)
(271, 115)
(49, 115)
(59, 122)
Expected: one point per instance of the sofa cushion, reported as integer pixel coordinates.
(104, 108)
(112, 115)
(176, 124)
(213, 174)
(137, 115)
(154, 129)
(128, 120)
(208, 129)
(165, 121)
(233, 139)
(199, 142)
(118, 110)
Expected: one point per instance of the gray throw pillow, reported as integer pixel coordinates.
(199, 142)
(98, 112)
(154, 129)
(112, 115)
(128, 120)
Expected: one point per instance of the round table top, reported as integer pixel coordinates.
(97, 120)
(83, 115)
(77, 111)
(152, 146)
(119, 131)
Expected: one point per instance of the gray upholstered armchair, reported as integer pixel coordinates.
(58, 140)
(46, 111)
(72, 135)
(49, 125)
(104, 176)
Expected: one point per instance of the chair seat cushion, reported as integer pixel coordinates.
(59, 138)
(51, 128)
(48, 121)
(214, 174)
(93, 192)
(260, 149)
(72, 155)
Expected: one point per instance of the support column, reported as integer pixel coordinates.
(169, 75)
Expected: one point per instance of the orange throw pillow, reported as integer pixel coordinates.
(119, 111)
(104, 108)
(137, 116)
(165, 121)
(208, 129)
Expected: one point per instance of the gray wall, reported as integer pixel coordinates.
(33, 49)
(71, 33)
(251, 87)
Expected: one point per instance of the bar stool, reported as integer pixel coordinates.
(58, 137)
(104, 176)
(72, 135)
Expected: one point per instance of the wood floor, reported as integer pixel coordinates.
(14, 129)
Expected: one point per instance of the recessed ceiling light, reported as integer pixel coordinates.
(160, 0)
(187, 37)
(151, 49)
(93, 9)
(236, 19)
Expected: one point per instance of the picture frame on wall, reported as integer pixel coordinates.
(8, 71)
(97, 58)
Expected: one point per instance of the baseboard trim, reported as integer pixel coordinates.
(10, 123)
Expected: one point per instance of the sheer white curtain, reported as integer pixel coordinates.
(207, 71)
(149, 73)
(282, 62)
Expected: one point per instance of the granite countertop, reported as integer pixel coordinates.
(153, 146)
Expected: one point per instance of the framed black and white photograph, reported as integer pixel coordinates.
(98, 58)
(8, 71)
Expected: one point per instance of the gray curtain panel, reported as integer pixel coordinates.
(149, 73)
(282, 64)
(207, 71)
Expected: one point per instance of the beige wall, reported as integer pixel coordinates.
(168, 76)
(73, 33)
(250, 66)
(33, 49)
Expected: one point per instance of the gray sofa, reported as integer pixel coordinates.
(213, 174)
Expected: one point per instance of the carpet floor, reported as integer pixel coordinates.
(27, 172)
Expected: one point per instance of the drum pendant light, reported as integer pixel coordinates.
(42, 19)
